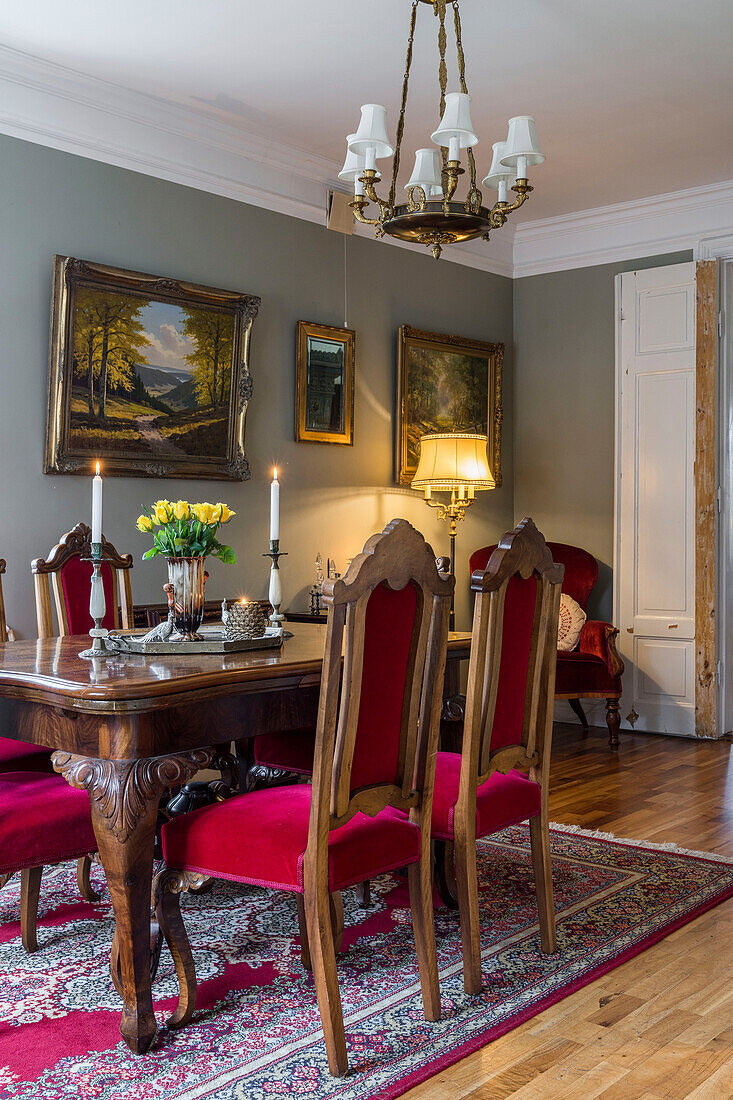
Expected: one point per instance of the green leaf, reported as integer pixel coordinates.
(227, 555)
(150, 553)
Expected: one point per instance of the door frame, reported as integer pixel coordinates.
(708, 632)
(724, 453)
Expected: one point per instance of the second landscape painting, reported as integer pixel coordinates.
(150, 372)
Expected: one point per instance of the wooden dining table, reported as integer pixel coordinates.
(127, 729)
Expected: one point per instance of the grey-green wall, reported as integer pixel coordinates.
(333, 498)
(564, 371)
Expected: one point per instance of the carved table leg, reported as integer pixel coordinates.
(124, 797)
(613, 721)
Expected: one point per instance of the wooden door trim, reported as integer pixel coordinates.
(706, 342)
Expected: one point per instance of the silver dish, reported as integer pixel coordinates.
(212, 640)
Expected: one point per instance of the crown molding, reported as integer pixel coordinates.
(52, 105)
(624, 231)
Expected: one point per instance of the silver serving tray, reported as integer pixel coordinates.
(213, 640)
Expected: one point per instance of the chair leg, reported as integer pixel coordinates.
(577, 707)
(168, 910)
(539, 837)
(336, 909)
(30, 888)
(323, 958)
(467, 883)
(364, 894)
(613, 721)
(305, 955)
(445, 875)
(115, 970)
(83, 870)
(420, 883)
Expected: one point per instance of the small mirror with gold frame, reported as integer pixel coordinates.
(324, 384)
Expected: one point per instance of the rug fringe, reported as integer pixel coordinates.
(659, 846)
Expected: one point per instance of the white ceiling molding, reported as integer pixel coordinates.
(624, 231)
(52, 105)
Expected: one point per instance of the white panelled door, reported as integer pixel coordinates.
(655, 498)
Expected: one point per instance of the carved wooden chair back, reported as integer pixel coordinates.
(63, 580)
(511, 678)
(376, 735)
(3, 622)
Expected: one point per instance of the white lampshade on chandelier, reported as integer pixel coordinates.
(431, 216)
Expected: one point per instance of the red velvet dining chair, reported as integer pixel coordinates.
(368, 810)
(501, 776)
(592, 670)
(63, 580)
(42, 821)
(17, 755)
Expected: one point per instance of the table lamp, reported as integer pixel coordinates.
(455, 463)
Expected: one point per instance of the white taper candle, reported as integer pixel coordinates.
(274, 508)
(97, 508)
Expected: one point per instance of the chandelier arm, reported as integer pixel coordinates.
(401, 123)
(368, 180)
(507, 209)
(357, 205)
(464, 88)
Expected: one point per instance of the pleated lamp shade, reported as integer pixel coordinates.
(450, 460)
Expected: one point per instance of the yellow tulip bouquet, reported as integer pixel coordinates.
(186, 530)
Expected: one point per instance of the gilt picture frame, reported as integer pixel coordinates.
(325, 363)
(148, 374)
(446, 384)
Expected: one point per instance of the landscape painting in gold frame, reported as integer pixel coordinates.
(324, 384)
(446, 384)
(148, 374)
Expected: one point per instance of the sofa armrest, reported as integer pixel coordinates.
(600, 639)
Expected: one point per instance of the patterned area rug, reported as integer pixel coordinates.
(256, 1033)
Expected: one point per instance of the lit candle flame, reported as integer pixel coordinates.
(97, 470)
(243, 600)
(275, 473)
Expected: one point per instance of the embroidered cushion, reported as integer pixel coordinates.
(572, 618)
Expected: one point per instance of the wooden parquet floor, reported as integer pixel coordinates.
(661, 1026)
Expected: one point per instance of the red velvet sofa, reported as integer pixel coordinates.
(594, 669)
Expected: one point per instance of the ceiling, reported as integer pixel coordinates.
(632, 97)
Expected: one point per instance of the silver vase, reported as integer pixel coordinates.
(188, 577)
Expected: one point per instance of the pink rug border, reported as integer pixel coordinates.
(445, 1061)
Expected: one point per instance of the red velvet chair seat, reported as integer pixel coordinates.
(501, 801)
(584, 674)
(292, 750)
(17, 756)
(76, 583)
(261, 838)
(42, 820)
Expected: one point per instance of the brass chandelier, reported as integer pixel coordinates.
(431, 216)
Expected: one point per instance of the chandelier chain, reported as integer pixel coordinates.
(442, 74)
(464, 87)
(401, 123)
